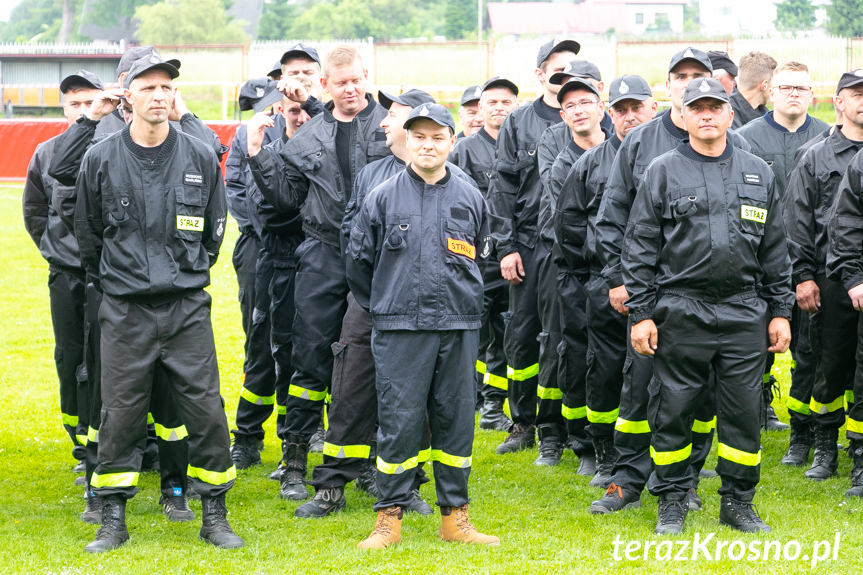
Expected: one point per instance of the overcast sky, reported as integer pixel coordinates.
(6, 7)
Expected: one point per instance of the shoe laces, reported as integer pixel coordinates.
(745, 511)
(614, 491)
(177, 502)
(216, 513)
(328, 495)
(462, 520)
(549, 448)
(384, 523)
(672, 511)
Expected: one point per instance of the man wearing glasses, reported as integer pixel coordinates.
(775, 138)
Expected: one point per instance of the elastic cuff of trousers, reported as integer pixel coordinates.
(480, 367)
(670, 457)
(548, 393)
(346, 451)
(255, 399)
(397, 468)
(281, 409)
(632, 427)
(797, 406)
(819, 408)
(171, 433)
(125, 479)
(496, 381)
(703, 427)
(737, 456)
(450, 460)
(92, 435)
(308, 394)
(522, 374)
(212, 477)
(572, 413)
(608, 417)
(70, 420)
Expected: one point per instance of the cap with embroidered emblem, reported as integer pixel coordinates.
(628, 87)
(148, 63)
(722, 61)
(83, 79)
(134, 54)
(850, 79)
(470, 94)
(692, 54)
(701, 88)
(499, 82)
(301, 50)
(576, 84)
(258, 94)
(434, 112)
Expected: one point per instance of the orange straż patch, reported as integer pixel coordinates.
(460, 247)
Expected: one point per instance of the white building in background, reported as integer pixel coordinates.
(737, 17)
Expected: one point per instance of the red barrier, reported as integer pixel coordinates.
(19, 138)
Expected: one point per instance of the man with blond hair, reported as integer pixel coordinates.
(749, 100)
(314, 173)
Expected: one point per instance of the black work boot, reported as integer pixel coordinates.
(175, 507)
(769, 420)
(293, 478)
(741, 515)
(671, 514)
(520, 437)
(367, 481)
(113, 532)
(615, 499)
(826, 458)
(276, 474)
(550, 446)
(215, 528)
(327, 500)
(799, 444)
(92, 509)
(855, 450)
(417, 504)
(693, 501)
(606, 457)
(491, 416)
(316, 442)
(246, 451)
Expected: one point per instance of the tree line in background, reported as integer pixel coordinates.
(208, 21)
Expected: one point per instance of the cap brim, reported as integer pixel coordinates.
(707, 97)
(559, 78)
(852, 84)
(565, 46)
(295, 53)
(622, 97)
(386, 100)
(688, 59)
(76, 80)
(267, 100)
(410, 122)
(502, 83)
(577, 84)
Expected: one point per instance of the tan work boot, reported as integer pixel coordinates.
(455, 526)
(388, 529)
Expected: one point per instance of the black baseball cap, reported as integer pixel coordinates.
(434, 112)
(577, 68)
(301, 50)
(147, 63)
(411, 98)
(628, 87)
(258, 94)
(722, 61)
(82, 79)
(576, 83)
(498, 82)
(134, 54)
(470, 94)
(693, 54)
(276, 72)
(701, 88)
(850, 79)
(553, 46)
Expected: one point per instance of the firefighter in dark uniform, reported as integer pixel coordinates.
(412, 264)
(66, 282)
(317, 168)
(749, 99)
(706, 266)
(350, 440)
(562, 414)
(475, 155)
(775, 138)
(812, 195)
(630, 104)
(259, 370)
(845, 266)
(513, 198)
(641, 146)
(106, 116)
(468, 111)
(152, 265)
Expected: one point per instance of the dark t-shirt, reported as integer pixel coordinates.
(343, 147)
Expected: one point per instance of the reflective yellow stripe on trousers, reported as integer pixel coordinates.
(822, 408)
(171, 433)
(126, 479)
(496, 381)
(602, 416)
(212, 477)
(396, 468)
(304, 393)
(735, 455)
(670, 457)
(700, 426)
(449, 459)
(255, 399)
(632, 427)
(345, 451)
(522, 374)
(573, 412)
(70, 420)
(548, 393)
(797, 406)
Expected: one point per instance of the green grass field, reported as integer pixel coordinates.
(540, 514)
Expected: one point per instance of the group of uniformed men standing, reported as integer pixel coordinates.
(620, 277)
